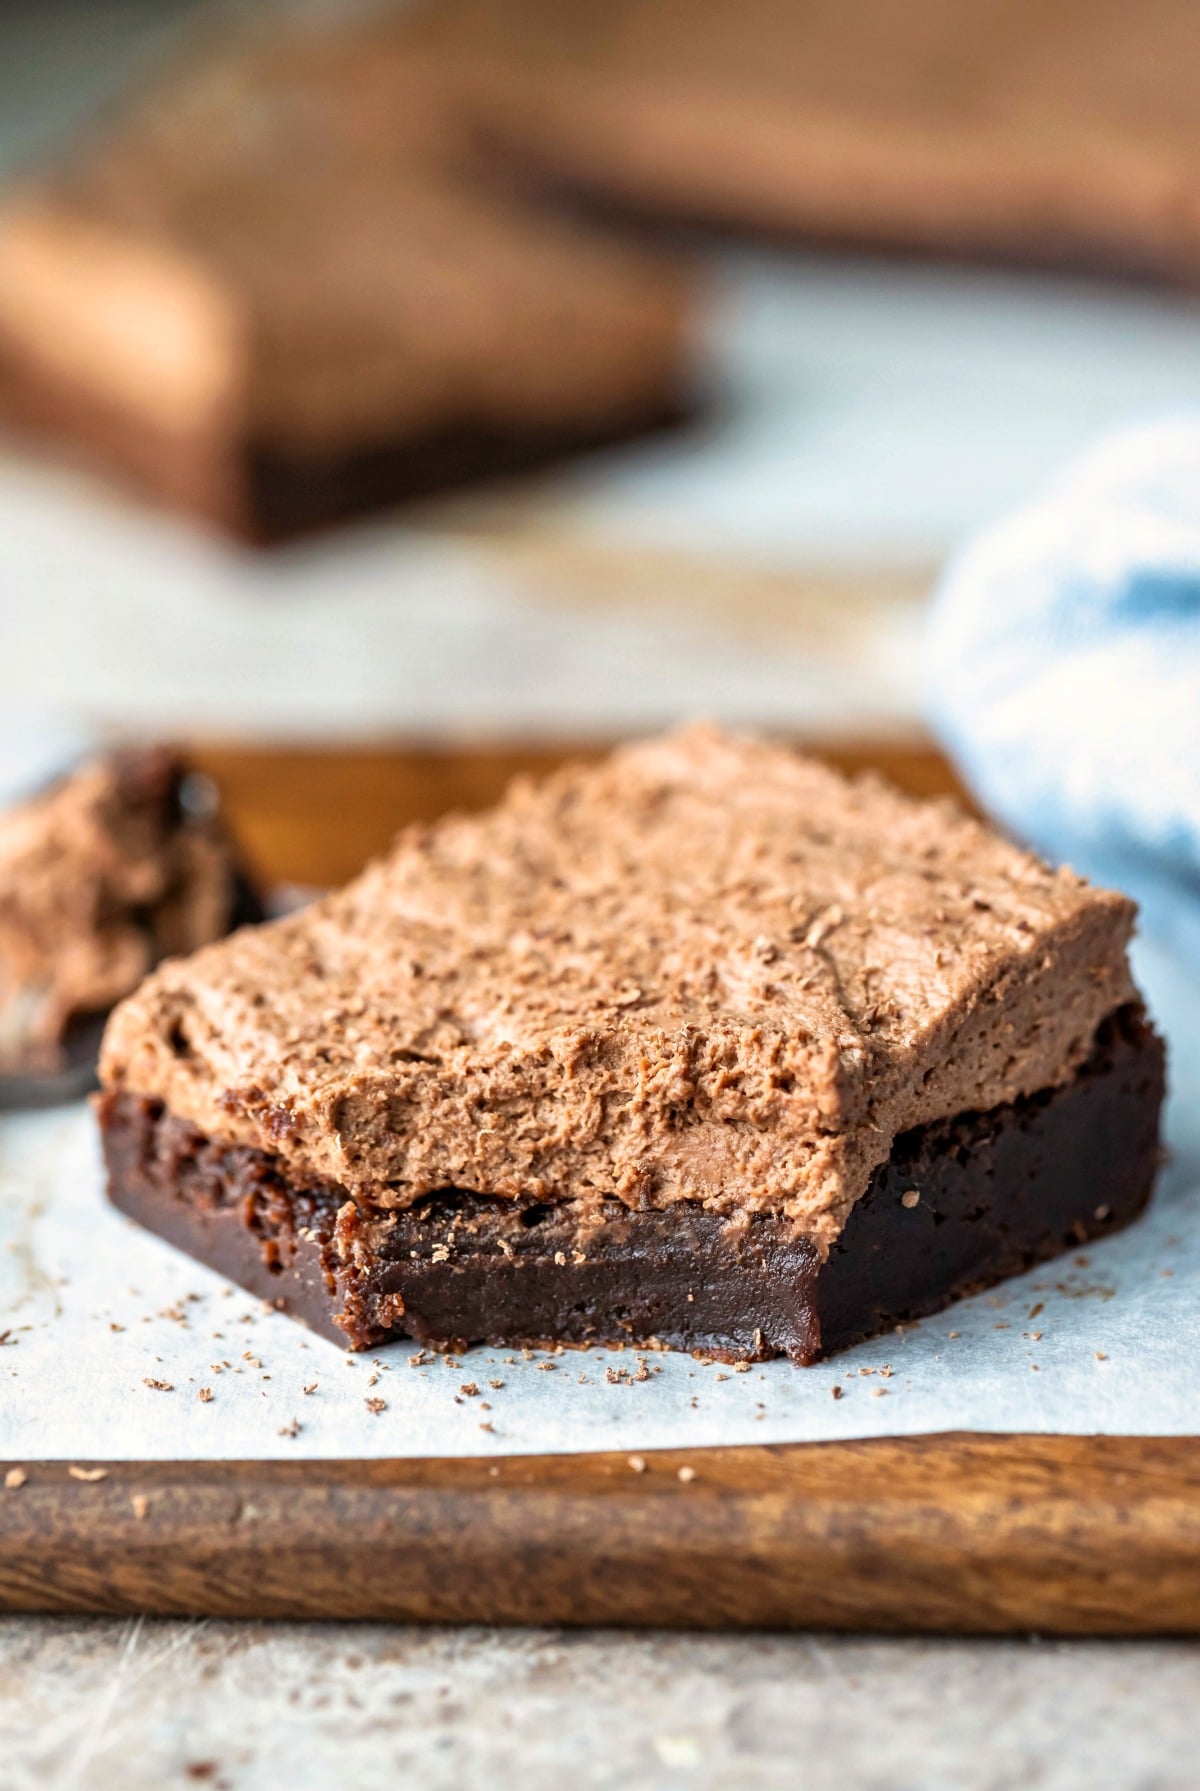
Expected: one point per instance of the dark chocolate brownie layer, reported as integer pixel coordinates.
(996, 1192)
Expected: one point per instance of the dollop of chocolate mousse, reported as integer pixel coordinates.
(123, 863)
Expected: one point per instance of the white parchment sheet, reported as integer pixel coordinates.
(113, 1338)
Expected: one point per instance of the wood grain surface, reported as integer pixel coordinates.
(988, 1534)
(982, 1534)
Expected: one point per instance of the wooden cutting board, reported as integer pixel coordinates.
(1066, 1535)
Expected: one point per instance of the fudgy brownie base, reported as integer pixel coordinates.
(264, 493)
(995, 1193)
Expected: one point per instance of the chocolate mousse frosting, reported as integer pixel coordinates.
(118, 865)
(706, 970)
(283, 252)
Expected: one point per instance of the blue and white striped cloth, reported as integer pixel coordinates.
(1064, 650)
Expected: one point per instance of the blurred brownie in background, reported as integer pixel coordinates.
(121, 864)
(276, 290)
(1063, 131)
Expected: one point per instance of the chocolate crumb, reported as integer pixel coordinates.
(836, 1391)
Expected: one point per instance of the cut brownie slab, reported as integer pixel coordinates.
(705, 1044)
(272, 292)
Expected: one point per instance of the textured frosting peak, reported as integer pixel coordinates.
(704, 969)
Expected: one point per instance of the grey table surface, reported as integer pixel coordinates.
(249, 1707)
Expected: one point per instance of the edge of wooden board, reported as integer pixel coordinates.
(954, 1533)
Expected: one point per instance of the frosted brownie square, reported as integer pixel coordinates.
(704, 1046)
(1063, 134)
(274, 289)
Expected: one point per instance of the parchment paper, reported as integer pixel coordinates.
(97, 1312)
